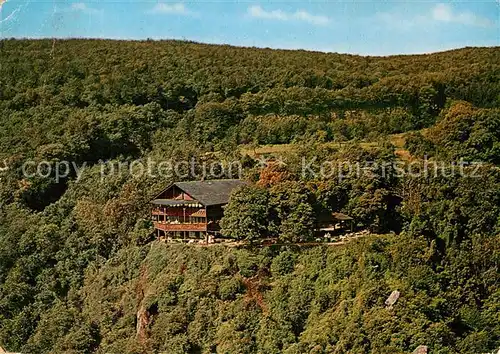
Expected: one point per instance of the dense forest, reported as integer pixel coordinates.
(81, 271)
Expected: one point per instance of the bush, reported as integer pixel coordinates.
(283, 264)
(230, 288)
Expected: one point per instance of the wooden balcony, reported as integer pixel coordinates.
(202, 227)
(199, 213)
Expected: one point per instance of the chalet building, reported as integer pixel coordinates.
(190, 210)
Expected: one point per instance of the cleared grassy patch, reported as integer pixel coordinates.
(398, 140)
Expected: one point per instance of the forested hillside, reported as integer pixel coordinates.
(80, 270)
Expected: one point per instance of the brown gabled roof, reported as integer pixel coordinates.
(214, 192)
(341, 216)
(211, 192)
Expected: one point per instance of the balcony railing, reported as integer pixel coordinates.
(202, 227)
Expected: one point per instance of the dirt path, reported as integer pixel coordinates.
(268, 244)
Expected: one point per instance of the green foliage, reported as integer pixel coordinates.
(230, 288)
(464, 132)
(246, 215)
(283, 264)
(291, 202)
(419, 146)
(317, 299)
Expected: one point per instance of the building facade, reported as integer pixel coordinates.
(192, 210)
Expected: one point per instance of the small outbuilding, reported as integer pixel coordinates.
(337, 222)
